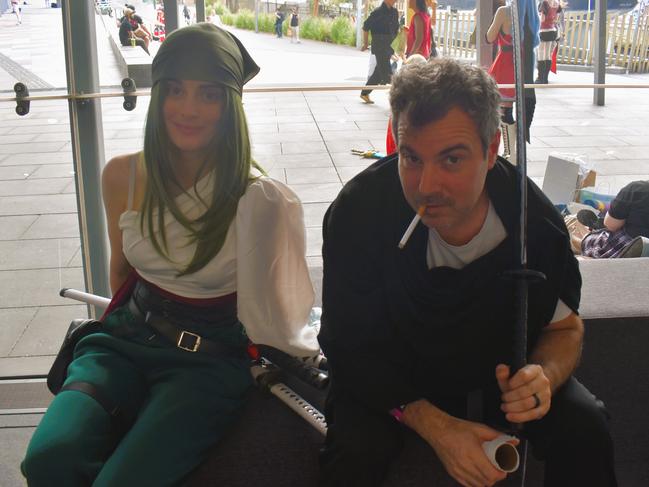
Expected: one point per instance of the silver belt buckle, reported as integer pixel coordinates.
(196, 345)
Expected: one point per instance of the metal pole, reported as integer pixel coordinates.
(257, 16)
(599, 51)
(484, 50)
(359, 16)
(171, 15)
(200, 10)
(80, 43)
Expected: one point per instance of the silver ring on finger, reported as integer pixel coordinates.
(537, 401)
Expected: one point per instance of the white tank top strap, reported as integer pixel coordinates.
(131, 182)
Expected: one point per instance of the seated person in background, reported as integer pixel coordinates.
(626, 220)
(412, 334)
(205, 252)
(139, 27)
(127, 33)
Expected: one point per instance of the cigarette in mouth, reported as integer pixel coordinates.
(411, 227)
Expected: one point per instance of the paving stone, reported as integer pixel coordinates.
(601, 130)
(27, 205)
(303, 147)
(313, 241)
(314, 213)
(617, 167)
(77, 259)
(13, 323)
(45, 332)
(25, 187)
(317, 193)
(348, 172)
(37, 158)
(259, 150)
(262, 128)
(13, 227)
(52, 171)
(16, 172)
(65, 225)
(36, 254)
(18, 138)
(44, 128)
(277, 173)
(296, 160)
(298, 127)
(286, 138)
(22, 288)
(312, 175)
(628, 153)
(349, 144)
(346, 158)
(20, 366)
(583, 141)
(31, 148)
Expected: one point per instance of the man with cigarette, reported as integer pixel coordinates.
(418, 328)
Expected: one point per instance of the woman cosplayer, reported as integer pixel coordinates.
(207, 253)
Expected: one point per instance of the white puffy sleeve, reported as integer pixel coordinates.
(274, 290)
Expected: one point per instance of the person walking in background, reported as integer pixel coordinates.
(279, 20)
(295, 26)
(15, 9)
(502, 70)
(187, 14)
(419, 32)
(383, 23)
(549, 11)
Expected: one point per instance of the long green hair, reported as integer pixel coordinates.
(228, 154)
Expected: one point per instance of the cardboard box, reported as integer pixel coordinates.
(562, 180)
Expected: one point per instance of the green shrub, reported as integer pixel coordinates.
(338, 31)
(217, 6)
(316, 28)
(266, 22)
(342, 31)
(228, 18)
(245, 19)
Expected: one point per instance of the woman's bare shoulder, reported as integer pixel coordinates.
(116, 173)
(115, 176)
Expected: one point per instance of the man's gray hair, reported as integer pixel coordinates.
(425, 92)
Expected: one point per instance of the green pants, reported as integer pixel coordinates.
(174, 405)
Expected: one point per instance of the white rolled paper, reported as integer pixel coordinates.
(502, 454)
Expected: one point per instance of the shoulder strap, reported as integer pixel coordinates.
(131, 182)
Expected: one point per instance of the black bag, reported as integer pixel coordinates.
(548, 35)
(59, 371)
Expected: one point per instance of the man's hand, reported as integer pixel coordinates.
(459, 447)
(364, 47)
(457, 443)
(527, 395)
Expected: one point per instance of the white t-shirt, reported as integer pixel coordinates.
(262, 260)
(441, 254)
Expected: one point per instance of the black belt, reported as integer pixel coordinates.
(183, 339)
(506, 48)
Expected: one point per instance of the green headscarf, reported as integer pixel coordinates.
(204, 52)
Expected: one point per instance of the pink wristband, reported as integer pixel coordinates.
(397, 413)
